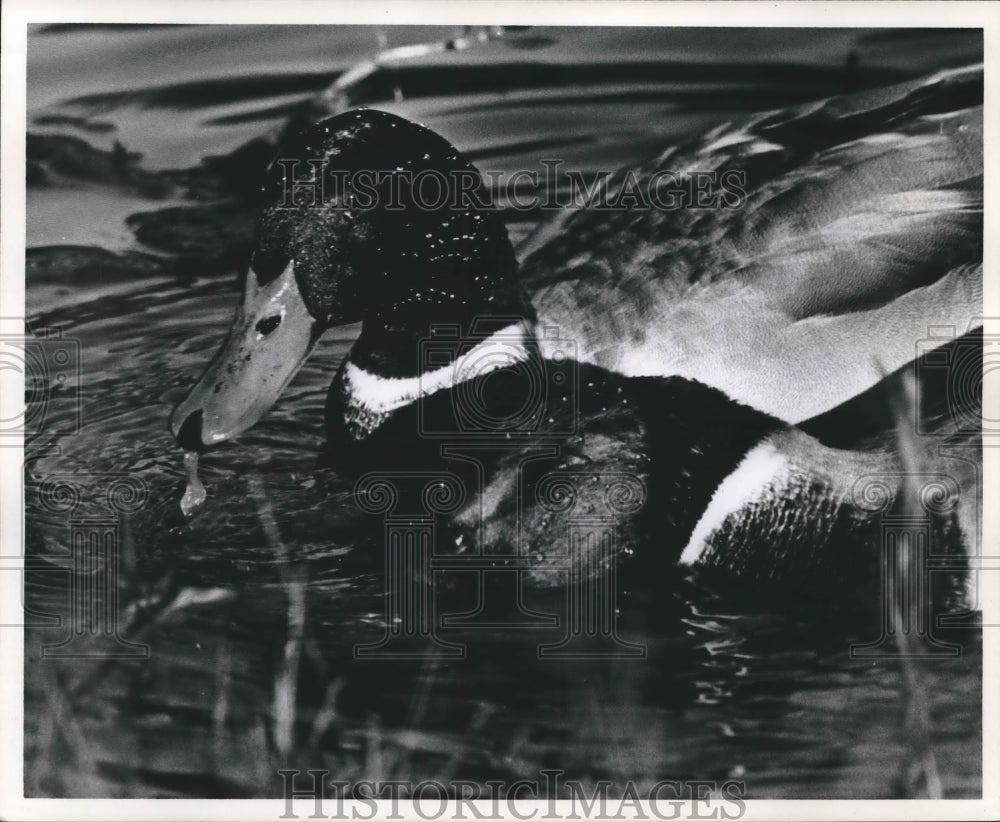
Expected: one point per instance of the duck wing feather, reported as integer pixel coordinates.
(861, 227)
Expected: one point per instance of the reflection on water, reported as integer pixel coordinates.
(143, 149)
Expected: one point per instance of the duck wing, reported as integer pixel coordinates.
(860, 228)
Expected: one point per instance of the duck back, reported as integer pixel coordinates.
(860, 227)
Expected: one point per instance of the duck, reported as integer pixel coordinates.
(656, 368)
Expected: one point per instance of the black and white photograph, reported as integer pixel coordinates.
(455, 411)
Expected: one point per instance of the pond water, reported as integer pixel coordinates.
(143, 144)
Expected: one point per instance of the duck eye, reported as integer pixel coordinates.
(268, 324)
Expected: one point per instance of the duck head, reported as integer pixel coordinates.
(365, 217)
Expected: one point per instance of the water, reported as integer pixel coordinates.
(231, 691)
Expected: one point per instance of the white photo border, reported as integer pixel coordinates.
(18, 14)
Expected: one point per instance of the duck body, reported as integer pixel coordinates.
(861, 227)
(639, 372)
(597, 428)
(635, 474)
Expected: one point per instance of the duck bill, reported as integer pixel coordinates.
(271, 337)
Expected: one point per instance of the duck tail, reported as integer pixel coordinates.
(830, 520)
